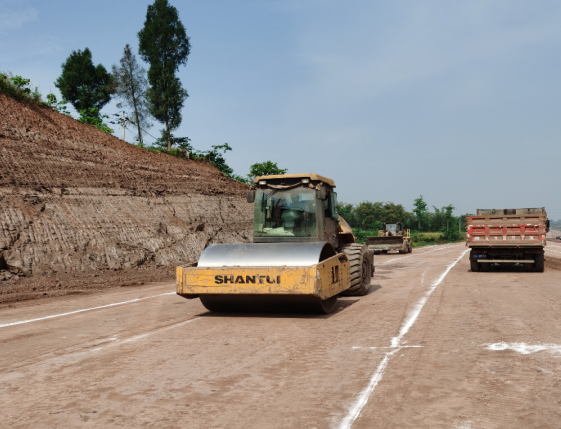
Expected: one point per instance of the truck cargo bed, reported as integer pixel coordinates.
(507, 236)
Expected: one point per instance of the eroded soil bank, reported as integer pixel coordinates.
(77, 204)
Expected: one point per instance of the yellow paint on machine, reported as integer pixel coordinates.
(323, 280)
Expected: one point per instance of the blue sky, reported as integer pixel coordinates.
(457, 101)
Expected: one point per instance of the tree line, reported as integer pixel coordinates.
(369, 216)
(145, 96)
(156, 94)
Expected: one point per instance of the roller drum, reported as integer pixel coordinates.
(266, 255)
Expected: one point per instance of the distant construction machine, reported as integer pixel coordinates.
(302, 257)
(393, 237)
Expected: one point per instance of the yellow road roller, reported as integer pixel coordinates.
(303, 254)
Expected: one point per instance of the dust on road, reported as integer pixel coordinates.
(162, 361)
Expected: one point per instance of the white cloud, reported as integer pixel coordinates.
(12, 20)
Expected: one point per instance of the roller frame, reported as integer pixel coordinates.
(315, 280)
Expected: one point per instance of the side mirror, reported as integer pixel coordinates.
(321, 194)
(250, 196)
(547, 225)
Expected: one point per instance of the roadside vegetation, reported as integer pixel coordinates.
(427, 227)
(156, 95)
(19, 88)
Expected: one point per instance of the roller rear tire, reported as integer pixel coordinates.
(361, 260)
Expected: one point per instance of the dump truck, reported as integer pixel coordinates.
(507, 237)
(393, 237)
(303, 254)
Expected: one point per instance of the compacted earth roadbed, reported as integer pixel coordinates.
(429, 346)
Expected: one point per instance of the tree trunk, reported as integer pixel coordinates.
(167, 134)
(137, 121)
(134, 102)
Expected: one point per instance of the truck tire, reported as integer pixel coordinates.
(539, 263)
(528, 268)
(361, 260)
(410, 248)
(474, 266)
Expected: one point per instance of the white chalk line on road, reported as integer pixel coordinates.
(409, 256)
(141, 336)
(401, 347)
(5, 325)
(73, 357)
(395, 342)
(525, 348)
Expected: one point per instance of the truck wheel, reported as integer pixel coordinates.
(474, 266)
(539, 263)
(410, 248)
(361, 268)
(384, 252)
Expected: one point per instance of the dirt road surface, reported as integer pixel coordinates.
(432, 346)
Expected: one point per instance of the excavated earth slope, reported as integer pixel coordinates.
(75, 201)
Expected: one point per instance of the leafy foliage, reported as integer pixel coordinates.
(367, 218)
(177, 142)
(91, 116)
(84, 85)
(21, 84)
(59, 106)
(216, 156)
(420, 211)
(217, 159)
(164, 44)
(267, 168)
(372, 216)
(130, 85)
(19, 88)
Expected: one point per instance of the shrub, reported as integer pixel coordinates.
(19, 88)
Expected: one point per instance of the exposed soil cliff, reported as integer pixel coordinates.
(75, 201)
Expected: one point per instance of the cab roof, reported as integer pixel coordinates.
(311, 176)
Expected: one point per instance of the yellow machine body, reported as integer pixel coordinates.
(302, 257)
(322, 280)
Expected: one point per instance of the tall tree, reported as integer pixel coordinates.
(163, 43)
(130, 86)
(83, 84)
(420, 209)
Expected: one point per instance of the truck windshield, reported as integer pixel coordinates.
(285, 213)
(391, 227)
